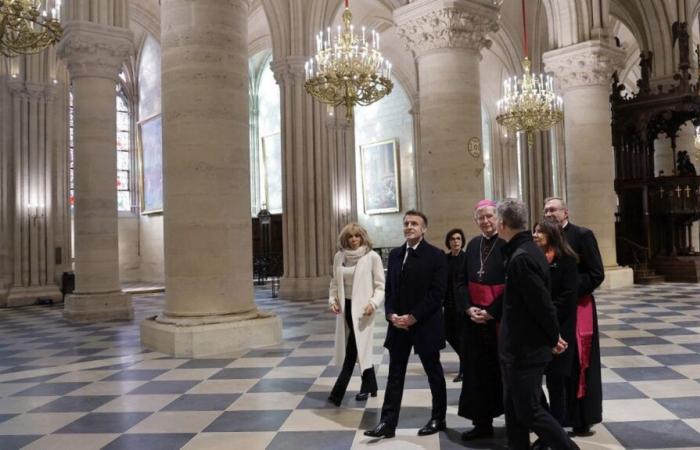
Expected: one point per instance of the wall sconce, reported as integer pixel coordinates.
(35, 211)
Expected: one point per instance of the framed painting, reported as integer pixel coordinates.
(151, 139)
(380, 177)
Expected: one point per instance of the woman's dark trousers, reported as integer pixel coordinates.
(369, 379)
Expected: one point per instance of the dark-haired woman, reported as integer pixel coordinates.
(454, 313)
(549, 236)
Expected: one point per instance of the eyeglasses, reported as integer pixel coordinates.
(552, 209)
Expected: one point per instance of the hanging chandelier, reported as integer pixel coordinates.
(348, 69)
(26, 27)
(529, 103)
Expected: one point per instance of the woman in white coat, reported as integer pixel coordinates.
(356, 292)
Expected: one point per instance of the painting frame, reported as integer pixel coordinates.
(379, 169)
(151, 159)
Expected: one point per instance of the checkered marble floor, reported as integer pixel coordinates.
(66, 386)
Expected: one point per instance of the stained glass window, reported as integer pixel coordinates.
(123, 150)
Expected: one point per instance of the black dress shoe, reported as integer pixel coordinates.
(458, 378)
(335, 400)
(362, 396)
(479, 432)
(382, 430)
(539, 445)
(432, 427)
(584, 430)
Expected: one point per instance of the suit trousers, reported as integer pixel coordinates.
(522, 387)
(369, 379)
(398, 360)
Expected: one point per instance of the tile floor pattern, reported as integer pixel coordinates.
(73, 386)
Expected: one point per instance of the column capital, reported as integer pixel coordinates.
(427, 25)
(92, 50)
(288, 67)
(589, 63)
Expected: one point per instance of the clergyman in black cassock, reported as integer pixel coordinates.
(586, 391)
(480, 285)
(415, 287)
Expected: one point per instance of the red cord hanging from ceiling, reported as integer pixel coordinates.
(524, 29)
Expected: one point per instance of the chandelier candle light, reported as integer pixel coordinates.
(529, 103)
(348, 69)
(26, 27)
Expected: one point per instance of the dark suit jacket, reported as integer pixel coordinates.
(529, 327)
(590, 267)
(417, 289)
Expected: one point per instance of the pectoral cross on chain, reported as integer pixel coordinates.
(481, 272)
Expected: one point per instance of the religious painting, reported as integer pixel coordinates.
(380, 177)
(151, 139)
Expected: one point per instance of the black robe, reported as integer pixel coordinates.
(564, 274)
(454, 313)
(481, 398)
(587, 410)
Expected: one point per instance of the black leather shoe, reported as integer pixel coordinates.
(481, 432)
(432, 427)
(362, 396)
(584, 430)
(539, 445)
(458, 378)
(335, 400)
(382, 430)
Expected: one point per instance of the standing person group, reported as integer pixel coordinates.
(516, 305)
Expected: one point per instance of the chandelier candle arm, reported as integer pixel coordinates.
(347, 69)
(26, 28)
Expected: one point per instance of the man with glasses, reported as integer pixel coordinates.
(586, 394)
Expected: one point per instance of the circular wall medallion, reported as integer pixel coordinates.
(474, 147)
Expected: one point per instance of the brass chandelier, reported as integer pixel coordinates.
(348, 69)
(529, 103)
(26, 28)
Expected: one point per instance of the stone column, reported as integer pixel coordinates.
(94, 53)
(584, 72)
(32, 155)
(210, 306)
(308, 236)
(446, 37)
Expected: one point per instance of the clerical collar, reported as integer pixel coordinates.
(563, 227)
(489, 238)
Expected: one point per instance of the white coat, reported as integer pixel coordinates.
(367, 287)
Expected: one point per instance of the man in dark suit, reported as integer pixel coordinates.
(415, 286)
(529, 333)
(586, 389)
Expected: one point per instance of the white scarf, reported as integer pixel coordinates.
(350, 257)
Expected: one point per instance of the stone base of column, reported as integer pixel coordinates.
(98, 307)
(304, 289)
(29, 295)
(182, 339)
(617, 277)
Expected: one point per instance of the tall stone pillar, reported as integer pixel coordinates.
(584, 73)
(31, 152)
(94, 53)
(210, 306)
(307, 229)
(446, 37)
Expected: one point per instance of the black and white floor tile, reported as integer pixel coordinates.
(64, 385)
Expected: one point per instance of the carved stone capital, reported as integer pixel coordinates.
(589, 63)
(30, 90)
(92, 50)
(289, 68)
(427, 25)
